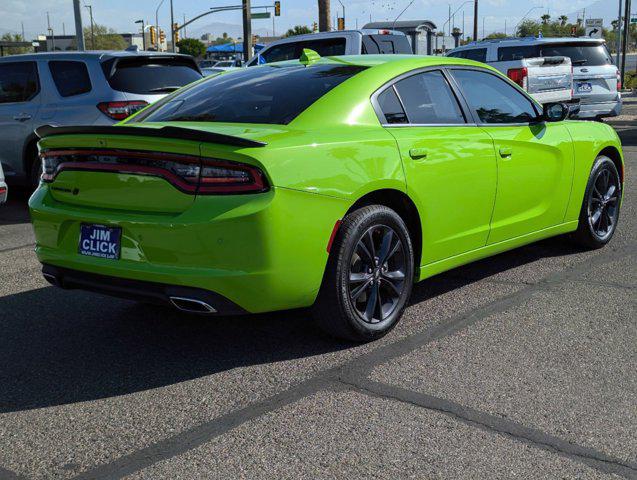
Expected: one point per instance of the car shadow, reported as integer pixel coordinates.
(16, 210)
(59, 347)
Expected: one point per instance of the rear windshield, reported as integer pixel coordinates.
(268, 94)
(590, 54)
(385, 44)
(148, 75)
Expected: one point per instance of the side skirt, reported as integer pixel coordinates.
(440, 266)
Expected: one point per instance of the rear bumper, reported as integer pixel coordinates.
(150, 292)
(595, 110)
(261, 252)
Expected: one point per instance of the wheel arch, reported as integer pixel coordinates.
(404, 206)
(30, 145)
(612, 153)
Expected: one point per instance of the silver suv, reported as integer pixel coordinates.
(77, 88)
(595, 77)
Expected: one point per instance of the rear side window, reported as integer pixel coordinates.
(149, 75)
(428, 99)
(391, 107)
(18, 81)
(267, 94)
(589, 54)
(278, 53)
(493, 99)
(385, 44)
(518, 52)
(328, 47)
(477, 54)
(70, 78)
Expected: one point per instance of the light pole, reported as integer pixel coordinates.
(515, 29)
(172, 27)
(475, 20)
(247, 30)
(339, 1)
(400, 14)
(79, 33)
(157, 22)
(143, 33)
(90, 13)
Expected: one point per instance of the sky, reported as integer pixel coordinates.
(121, 14)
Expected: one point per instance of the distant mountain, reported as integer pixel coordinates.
(218, 28)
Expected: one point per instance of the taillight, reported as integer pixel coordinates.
(384, 32)
(519, 76)
(190, 174)
(121, 110)
(619, 81)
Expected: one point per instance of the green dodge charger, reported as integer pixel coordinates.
(334, 183)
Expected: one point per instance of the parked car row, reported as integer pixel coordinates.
(589, 76)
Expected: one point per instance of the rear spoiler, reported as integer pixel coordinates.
(178, 133)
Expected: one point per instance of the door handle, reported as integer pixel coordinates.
(418, 153)
(22, 117)
(506, 152)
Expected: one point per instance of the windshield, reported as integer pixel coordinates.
(273, 94)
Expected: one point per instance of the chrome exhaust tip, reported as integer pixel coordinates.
(191, 305)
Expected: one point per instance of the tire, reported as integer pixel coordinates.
(600, 208)
(342, 308)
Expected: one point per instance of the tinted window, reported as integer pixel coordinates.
(580, 53)
(385, 44)
(268, 94)
(391, 107)
(149, 75)
(18, 81)
(477, 54)
(325, 48)
(278, 53)
(508, 54)
(493, 99)
(428, 99)
(70, 78)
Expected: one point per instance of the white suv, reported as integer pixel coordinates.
(595, 78)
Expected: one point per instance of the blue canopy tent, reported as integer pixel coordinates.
(230, 49)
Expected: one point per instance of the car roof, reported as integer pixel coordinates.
(98, 54)
(407, 61)
(529, 41)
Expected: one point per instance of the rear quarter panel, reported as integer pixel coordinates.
(589, 139)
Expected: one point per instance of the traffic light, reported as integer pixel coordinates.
(315, 27)
(341, 23)
(176, 30)
(277, 9)
(153, 35)
(162, 36)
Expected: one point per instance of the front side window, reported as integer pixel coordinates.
(493, 99)
(18, 82)
(70, 78)
(428, 99)
(278, 53)
(274, 94)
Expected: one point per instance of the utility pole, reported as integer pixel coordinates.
(23, 37)
(475, 20)
(48, 22)
(625, 45)
(247, 30)
(619, 33)
(324, 16)
(183, 24)
(172, 27)
(483, 26)
(90, 13)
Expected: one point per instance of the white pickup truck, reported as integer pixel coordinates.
(547, 79)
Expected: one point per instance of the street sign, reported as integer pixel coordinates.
(594, 27)
(260, 15)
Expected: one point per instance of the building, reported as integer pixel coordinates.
(420, 33)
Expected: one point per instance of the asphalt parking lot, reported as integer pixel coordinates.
(519, 366)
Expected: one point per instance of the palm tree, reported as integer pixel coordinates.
(545, 18)
(563, 19)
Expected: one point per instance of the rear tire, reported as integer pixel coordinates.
(368, 278)
(600, 208)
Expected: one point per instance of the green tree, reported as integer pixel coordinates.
(563, 20)
(528, 28)
(191, 46)
(545, 18)
(103, 38)
(298, 30)
(496, 35)
(8, 37)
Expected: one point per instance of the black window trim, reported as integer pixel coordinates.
(464, 107)
(37, 78)
(88, 73)
(476, 119)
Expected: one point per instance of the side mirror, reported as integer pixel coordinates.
(555, 112)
